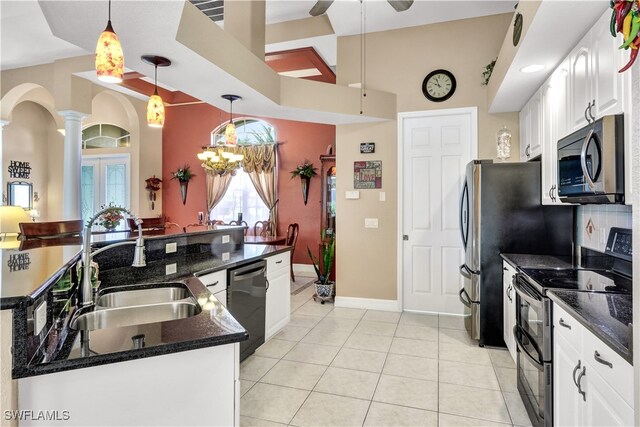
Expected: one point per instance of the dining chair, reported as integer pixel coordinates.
(292, 238)
(36, 230)
(242, 223)
(262, 228)
(155, 223)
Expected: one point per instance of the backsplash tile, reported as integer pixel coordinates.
(602, 217)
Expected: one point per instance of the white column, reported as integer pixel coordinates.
(3, 123)
(72, 164)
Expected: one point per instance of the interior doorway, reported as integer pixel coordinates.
(105, 179)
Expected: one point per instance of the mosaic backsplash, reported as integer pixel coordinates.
(595, 221)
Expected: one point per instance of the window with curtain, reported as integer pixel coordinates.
(241, 196)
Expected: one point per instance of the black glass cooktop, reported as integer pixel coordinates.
(590, 280)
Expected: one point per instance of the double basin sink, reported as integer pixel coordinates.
(131, 306)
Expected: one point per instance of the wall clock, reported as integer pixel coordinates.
(439, 85)
(517, 29)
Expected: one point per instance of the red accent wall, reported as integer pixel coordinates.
(187, 129)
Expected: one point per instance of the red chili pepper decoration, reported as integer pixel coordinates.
(632, 59)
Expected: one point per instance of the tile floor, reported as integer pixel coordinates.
(348, 367)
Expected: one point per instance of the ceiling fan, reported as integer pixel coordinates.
(321, 6)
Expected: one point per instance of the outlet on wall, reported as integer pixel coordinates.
(40, 318)
(603, 236)
(170, 269)
(225, 239)
(171, 248)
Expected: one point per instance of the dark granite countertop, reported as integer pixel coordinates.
(606, 315)
(538, 261)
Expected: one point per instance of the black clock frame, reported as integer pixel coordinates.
(433, 73)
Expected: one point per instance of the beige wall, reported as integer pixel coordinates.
(397, 61)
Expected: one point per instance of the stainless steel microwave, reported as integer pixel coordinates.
(591, 163)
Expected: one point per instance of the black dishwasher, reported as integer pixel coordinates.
(246, 299)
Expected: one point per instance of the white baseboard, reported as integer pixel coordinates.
(304, 270)
(368, 303)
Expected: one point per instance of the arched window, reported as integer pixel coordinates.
(242, 197)
(105, 136)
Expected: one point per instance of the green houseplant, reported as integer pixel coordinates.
(305, 172)
(324, 286)
(183, 175)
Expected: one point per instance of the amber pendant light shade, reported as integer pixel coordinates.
(109, 56)
(230, 135)
(155, 106)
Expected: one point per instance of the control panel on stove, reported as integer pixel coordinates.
(619, 243)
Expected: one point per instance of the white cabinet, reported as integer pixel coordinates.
(509, 307)
(592, 385)
(525, 133)
(580, 84)
(278, 305)
(216, 283)
(531, 128)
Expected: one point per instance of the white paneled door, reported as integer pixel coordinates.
(104, 180)
(436, 146)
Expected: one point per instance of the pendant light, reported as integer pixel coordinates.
(109, 56)
(230, 131)
(155, 106)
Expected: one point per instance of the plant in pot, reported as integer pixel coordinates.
(111, 217)
(305, 172)
(324, 286)
(183, 175)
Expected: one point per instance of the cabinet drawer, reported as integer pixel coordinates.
(568, 327)
(619, 375)
(277, 262)
(222, 297)
(215, 282)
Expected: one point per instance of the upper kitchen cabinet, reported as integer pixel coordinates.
(531, 128)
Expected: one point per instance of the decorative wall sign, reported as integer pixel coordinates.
(367, 174)
(19, 169)
(19, 262)
(367, 147)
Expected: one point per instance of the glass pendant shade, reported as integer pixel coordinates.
(109, 57)
(155, 111)
(230, 134)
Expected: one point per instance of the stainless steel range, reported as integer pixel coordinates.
(533, 330)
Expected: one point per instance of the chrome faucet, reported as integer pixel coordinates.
(86, 289)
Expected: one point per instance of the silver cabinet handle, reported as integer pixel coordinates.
(593, 104)
(585, 113)
(553, 193)
(599, 359)
(549, 193)
(527, 151)
(279, 262)
(584, 371)
(574, 372)
(563, 323)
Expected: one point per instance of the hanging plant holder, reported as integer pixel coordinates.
(183, 175)
(304, 181)
(184, 185)
(305, 171)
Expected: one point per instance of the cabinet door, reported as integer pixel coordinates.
(549, 145)
(535, 125)
(509, 308)
(580, 82)
(604, 406)
(561, 100)
(568, 404)
(525, 133)
(278, 304)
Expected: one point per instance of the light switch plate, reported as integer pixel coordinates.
(39, 318)
(225, 256)
(383, 196)
(171, 248)
(352, 195)
(371, 223)
(225, 239)
(170, 269)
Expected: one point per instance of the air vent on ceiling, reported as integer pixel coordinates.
(214, 9)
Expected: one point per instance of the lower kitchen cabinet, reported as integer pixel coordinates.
(509, 307)
(278, 309)
(592, 385)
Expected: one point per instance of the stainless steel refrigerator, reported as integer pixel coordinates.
(501, 211)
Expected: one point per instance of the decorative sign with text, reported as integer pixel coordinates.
(19, 262)
(367, 175)
(367, 147)
(19, 169)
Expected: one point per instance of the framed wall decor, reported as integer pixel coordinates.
(20, 194)
(367, 175)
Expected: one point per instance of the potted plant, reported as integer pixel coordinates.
(183, 175)
(324, 286)
(305, 172)
(111, 218)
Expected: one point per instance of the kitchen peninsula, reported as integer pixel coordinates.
(181, 363)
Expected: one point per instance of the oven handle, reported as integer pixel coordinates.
(517, 331)
(583, 159)
(525, 295)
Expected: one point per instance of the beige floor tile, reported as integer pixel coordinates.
(468, 375)
(347, 382)
(382, 316)
(419, 319)
(368, 342)
(312, 353)
(250, 422)
(376, 328)
(330, 410)
(411, 367)
(508, 379)
(464, 353)
(292, 333)
(304, 321)
(245, 385)
(417, 332)
(447, 420)
(384, 415)
(517, 410)
(473, 402)
(407, 392)
(254, 367)
(314, 308)
(275, 348)
(418, 348)
(338, 324)
(454, 336)
(446, 321)
(326, 337)
(272, 402)
(502, 358)
(294, 374)
(347, 313)
(361, 360)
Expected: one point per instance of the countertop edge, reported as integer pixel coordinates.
(278, 250)
(626, 354)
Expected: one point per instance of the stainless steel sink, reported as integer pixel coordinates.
(136, 297)
(134, 315)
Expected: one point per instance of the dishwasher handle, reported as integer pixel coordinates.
(250, 274)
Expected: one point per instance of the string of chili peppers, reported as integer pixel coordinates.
(625, 19)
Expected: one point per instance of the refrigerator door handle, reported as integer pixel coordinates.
(466, 301)
(465, 269)
(464, 215)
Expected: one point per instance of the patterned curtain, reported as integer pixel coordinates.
(260, 163)
(217, 187)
